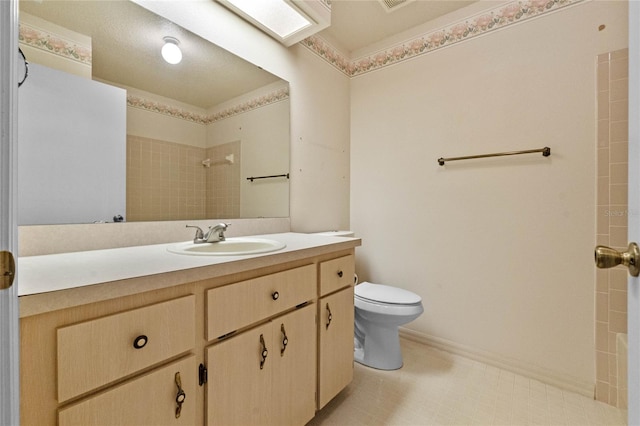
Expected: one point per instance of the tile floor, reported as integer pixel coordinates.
(438, 388)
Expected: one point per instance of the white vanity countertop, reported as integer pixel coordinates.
(148, 267)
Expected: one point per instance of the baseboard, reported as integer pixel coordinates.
(545, 376)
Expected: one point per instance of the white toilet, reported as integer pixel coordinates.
(379, 311)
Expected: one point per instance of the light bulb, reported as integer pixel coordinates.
(170, 51)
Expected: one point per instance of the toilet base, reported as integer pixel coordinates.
(380, 348)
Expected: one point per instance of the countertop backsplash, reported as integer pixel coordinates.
(52, 239)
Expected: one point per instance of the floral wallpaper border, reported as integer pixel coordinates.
(175, 112)
(466, 29)
(53, 43)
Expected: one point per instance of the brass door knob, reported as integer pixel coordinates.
(607, 257)
(7, 269)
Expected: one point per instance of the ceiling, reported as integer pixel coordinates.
(126, 41)
(359, 23)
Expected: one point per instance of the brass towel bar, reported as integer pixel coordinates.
(252, 178)
(546, 151)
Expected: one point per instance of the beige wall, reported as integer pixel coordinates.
(263, 136)
(150, 124)
(54, 46)
(499, 249)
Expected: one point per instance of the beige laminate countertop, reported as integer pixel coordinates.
(58, 281)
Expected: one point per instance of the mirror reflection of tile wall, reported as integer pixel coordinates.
(168, 181)
(612, 213)
(223, 181)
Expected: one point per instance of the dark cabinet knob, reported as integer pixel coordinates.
(275, 295)
(140, 341)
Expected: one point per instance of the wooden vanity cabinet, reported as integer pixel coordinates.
(335, 327)
(269, 356)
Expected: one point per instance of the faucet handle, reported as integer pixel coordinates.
(199, 233)
(216, 232)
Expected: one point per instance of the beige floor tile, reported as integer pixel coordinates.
(438, 388)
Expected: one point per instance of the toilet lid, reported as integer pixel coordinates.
(386, 294)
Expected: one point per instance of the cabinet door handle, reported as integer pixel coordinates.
(140, 341)
(329, 316)
(180, 396)
(285, 339)
(340, 274)
(275, 295)
(264, 352)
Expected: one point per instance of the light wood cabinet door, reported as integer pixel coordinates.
(282, 392)
(294, 370)
(148, 400)
(239, 382)
(335, 352)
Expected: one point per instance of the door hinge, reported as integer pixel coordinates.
(202, 374)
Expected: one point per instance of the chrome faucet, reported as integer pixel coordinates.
(214, 235)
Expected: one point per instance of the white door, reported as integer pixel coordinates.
(9, 342)
(634, 208)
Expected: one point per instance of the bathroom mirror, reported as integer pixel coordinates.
(196, 132)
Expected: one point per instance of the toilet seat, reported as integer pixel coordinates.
(386, 295)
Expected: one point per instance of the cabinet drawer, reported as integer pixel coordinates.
(148, 400)
(241, 304)
(336, 274)
(94, 353)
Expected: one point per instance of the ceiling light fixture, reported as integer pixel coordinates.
(279, 16)
(171, 51)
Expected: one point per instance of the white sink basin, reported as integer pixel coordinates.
(230, 247)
